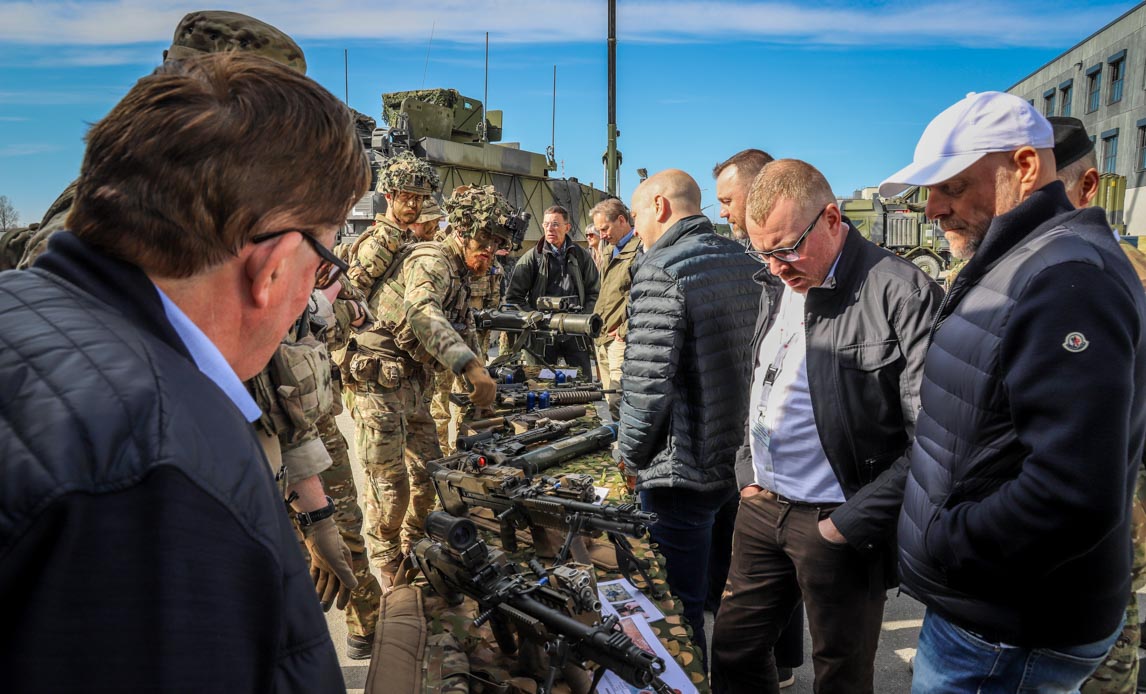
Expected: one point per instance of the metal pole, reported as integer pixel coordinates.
(611, 153)
(346, 75)
(553, 124)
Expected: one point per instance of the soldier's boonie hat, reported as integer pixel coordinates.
(430, 212)
(216, 31)
(406, 172)
(966, 132)
(473, 208)
(1071, 142)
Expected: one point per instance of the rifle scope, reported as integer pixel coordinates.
(458, 533)
(585, 324)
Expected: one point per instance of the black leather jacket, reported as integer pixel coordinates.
(866, 339)
(143, 544)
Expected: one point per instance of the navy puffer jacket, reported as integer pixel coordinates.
(685, 375)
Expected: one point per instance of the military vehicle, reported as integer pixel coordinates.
(463, 141)
(900, 225)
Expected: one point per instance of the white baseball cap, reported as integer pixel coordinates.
(979, 124)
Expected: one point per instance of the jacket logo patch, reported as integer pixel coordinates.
(1075, 342)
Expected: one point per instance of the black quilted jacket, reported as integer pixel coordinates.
(143, 545)
(685, 376)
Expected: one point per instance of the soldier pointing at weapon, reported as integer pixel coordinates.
(421, 304)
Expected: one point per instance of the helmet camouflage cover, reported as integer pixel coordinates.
(473, 208)
(407, 172)
(215, 31)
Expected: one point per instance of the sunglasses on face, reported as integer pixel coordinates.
(787, 255)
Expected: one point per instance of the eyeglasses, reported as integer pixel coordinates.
(554, 225)
(787, 255)
(338, 264)
(489, 240)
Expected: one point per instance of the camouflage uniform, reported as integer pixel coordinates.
(485, 293)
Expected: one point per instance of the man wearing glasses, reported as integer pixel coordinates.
(557, 267)
(423, 318)
(837, 358)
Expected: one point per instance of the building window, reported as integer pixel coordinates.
(1064, 100)
(1093, 89)
(1117, 76)
(1109, 152)
(1048, 103)
(1141, 163)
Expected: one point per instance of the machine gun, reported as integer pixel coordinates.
(524, 421)
(559, 612)
(516, 396)
(555, 317)
(512, 452)
(565, 505)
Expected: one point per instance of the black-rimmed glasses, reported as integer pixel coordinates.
(787, 255)
(338, 266)
(323, 252)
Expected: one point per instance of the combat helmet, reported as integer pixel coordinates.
(406, 172)
(473, 208)
(216, 31)
(430, 211)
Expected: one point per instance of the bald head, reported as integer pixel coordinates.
(661, 201)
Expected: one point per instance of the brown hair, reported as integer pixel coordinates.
(787, 179)
(184, 170)
(747, 162)
(610, 209)
(558, 209)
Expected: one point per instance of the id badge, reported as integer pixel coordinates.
(761, 431)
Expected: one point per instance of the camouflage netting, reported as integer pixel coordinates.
(214, 31)
(473, 208)
(407, 172)
(392, 101)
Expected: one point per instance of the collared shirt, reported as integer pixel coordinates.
(787, 454)
(622, 242)
(209, 359)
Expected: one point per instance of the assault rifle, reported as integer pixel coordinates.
(511, 451)
(517, 396)
(522, 422)
(565, 504)
(558, 613)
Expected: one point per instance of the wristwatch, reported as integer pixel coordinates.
(308, 518)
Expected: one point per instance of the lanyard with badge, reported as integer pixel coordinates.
(760, 429)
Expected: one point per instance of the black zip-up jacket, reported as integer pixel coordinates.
(541, 273)
(685, 373)
(866, 336)
(1015, 521)
(143, 544)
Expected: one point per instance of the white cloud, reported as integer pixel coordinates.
(1053, 23)
(13, 119)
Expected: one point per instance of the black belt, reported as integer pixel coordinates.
(781, 499)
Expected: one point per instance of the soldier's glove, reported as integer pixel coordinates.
(329, 564)
(484, 388)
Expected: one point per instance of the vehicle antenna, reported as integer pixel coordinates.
(428, 44)
(485, 97)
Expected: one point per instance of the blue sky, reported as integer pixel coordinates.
(847, 86)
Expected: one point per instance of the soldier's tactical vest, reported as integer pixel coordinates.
(485, 291)
(391, 336)
(295, 389)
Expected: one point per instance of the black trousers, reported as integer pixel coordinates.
(778, 554)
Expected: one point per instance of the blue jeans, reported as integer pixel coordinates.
(951, 659)
(683, 532)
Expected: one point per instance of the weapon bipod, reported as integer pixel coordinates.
(627, 561)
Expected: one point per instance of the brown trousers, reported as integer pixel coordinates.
(778, 555)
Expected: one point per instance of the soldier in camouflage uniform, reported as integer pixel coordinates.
(485, 293)
(406, 181)
(422, 311)
(426, 228)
